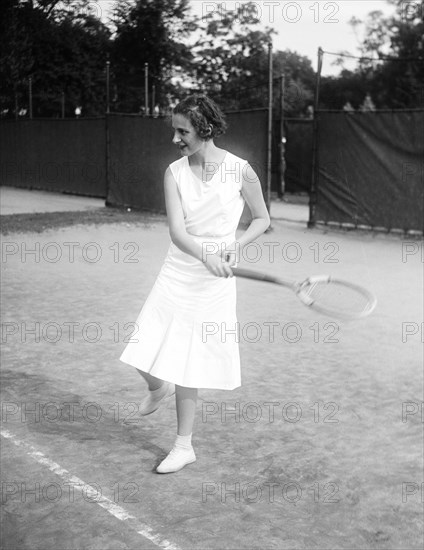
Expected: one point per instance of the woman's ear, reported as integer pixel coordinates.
(207, 132)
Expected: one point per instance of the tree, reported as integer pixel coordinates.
(336, 91)
(299, 82)
(15, 57)
(63, 46)
(230, 58)
(153, 32)
(397, 81)
(60, 49)
(392, 67)
(231, 63)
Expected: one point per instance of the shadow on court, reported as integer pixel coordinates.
(320, 448)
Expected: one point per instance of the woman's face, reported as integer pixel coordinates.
(185, 135)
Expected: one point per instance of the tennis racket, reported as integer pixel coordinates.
(322, 293)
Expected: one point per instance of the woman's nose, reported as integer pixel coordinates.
(176, 138)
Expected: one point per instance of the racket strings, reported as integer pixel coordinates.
(339, 298)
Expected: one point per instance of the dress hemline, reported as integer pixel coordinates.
(184, 386)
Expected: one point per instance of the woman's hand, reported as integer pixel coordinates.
(230, 256)
(217, 265)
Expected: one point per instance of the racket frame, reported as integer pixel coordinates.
(300, 289)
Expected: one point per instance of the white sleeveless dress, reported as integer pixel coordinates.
(187, 329)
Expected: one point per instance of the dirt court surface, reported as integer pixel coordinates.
(24, 201)
(321, 447)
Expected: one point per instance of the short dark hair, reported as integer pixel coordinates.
(202, 111)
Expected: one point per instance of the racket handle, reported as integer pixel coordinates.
(250, 274)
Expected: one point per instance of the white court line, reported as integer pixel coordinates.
(80, 485)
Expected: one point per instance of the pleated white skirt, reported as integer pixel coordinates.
(186, 332)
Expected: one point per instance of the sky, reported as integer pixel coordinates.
(302, 25)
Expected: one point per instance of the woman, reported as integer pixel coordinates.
(186, 327)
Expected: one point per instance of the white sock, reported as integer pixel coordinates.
(183, 441)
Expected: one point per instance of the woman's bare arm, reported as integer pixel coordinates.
(252, 193)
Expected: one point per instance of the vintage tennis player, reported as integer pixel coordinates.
(205, 193)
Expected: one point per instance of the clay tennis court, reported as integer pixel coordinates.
(321, 447)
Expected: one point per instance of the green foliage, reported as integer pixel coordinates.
(230, 60)
(63, 48)
(153, 32)
(392, 71)
(15, 50)
(299, 82)
(231, 63)
(60, 51)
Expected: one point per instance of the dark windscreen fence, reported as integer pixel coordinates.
(246, 137)
(54, 155)
(140, 149)
(298, 155)
(122, 158)
(370, 169)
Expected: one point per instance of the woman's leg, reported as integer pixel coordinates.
(153, 382)
(185, 399)
(158, 392)
(182, 453)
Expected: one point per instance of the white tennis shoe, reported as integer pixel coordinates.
(176, 460)
(155, 398)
